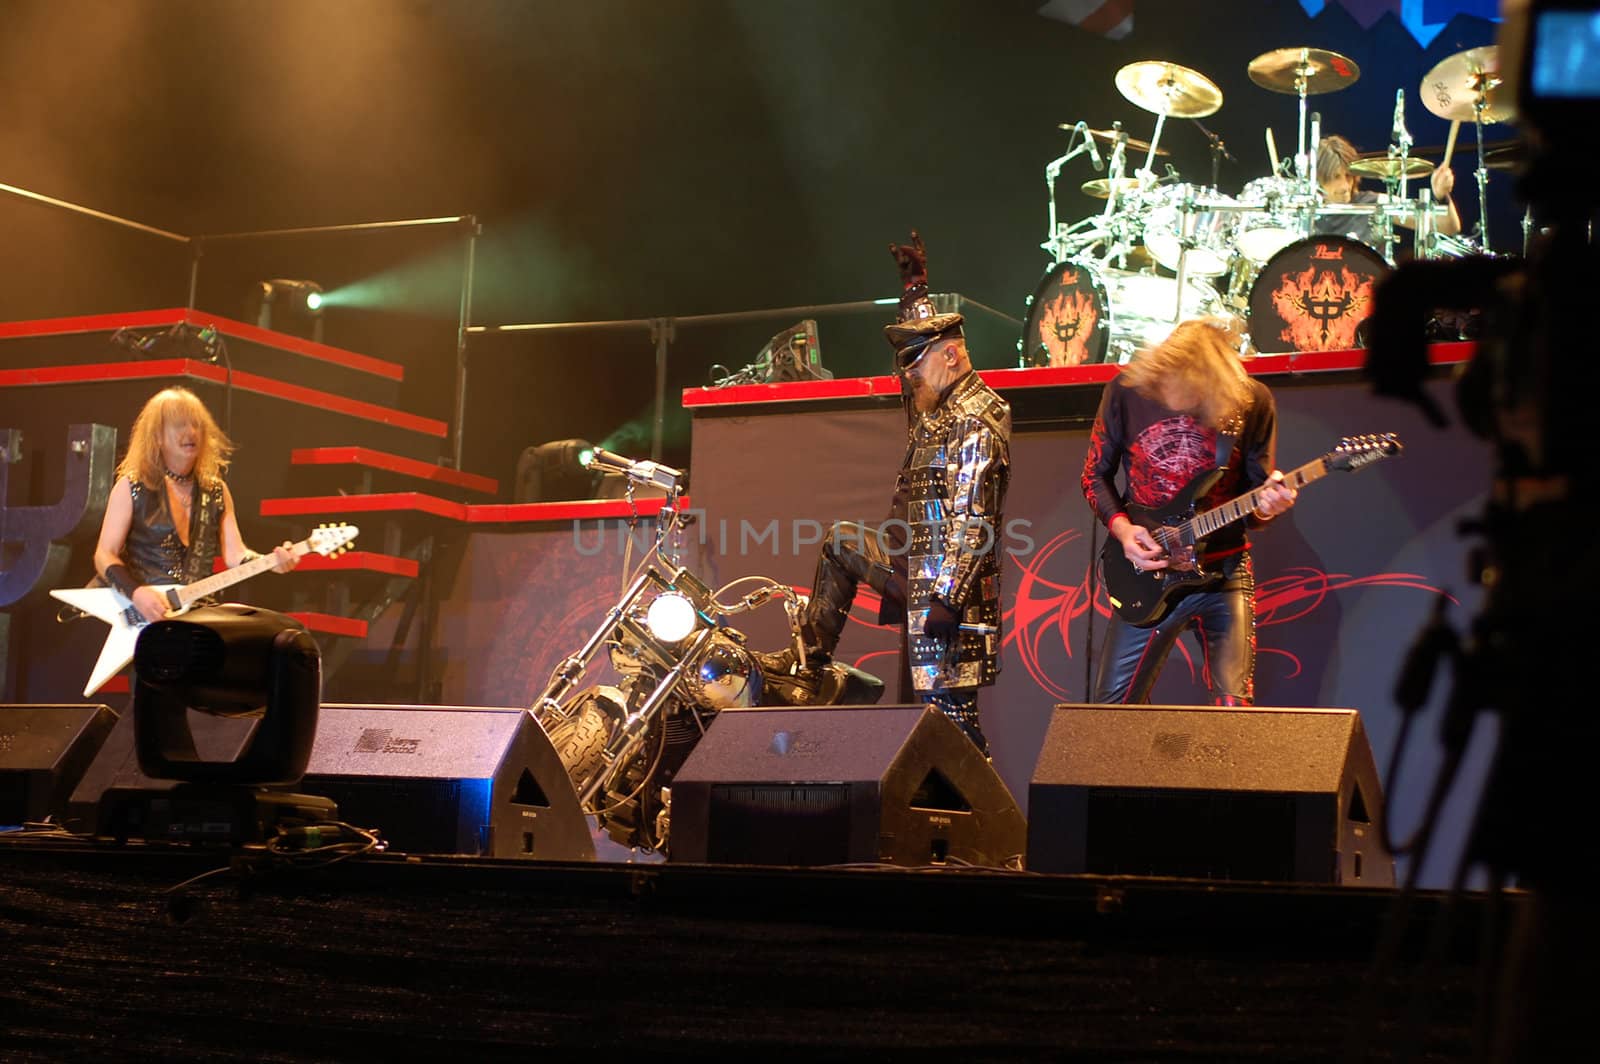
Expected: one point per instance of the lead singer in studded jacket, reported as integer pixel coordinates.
(936, 560)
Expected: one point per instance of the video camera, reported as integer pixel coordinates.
(1528, 391)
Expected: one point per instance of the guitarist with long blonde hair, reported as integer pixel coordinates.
(1184, 417)
(170, 512)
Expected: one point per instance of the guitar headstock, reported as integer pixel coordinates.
(330, 541)
(1356, 452)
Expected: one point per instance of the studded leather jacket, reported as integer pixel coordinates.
(153, 549)
(950, 495)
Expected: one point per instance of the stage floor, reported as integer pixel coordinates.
(394, 956)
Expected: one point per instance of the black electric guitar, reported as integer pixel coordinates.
(1142, 597)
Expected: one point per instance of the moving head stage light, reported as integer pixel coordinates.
(230, 661)
(289, 305)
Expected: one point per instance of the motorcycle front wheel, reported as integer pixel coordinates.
(580, 740)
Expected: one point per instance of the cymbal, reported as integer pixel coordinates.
(1497, 154)
(1169, 89)
(1504, 154)
(1100, 187)
(1389, 169)
(1108, 137)
(1281, 70)
(1453, 88)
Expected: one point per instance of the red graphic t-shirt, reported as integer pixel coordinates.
(1161, 452)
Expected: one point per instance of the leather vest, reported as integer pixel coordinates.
(155, 553)
(951, 492)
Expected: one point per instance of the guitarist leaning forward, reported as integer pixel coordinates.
(170, 508)
(1185, 416)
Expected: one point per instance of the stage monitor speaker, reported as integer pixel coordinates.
(115, 770)
(842, 785)
(44, 752)
(1210, 793)
(449, 779)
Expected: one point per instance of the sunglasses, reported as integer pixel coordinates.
(912, 353)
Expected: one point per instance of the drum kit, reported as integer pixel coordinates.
(1161, 251)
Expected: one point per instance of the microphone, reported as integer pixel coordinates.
(1094, 150)
(641, 472)
(1399, 116)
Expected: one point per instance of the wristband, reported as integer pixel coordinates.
(119, 577)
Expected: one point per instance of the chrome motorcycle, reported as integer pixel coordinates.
(681, 663)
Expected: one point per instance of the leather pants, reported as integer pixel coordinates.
(855, 554)
(1224, 619)
(851, 555)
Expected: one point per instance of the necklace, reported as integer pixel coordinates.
(178, 478)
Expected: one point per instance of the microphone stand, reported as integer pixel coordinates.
(1219, 152)
(1052, 170)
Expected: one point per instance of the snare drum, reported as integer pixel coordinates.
(1069, 318)
(1211, 229)
(1314, 294)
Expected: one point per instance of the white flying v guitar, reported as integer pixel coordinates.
(113, 607)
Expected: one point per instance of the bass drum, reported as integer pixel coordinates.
(1314, 295)
(1069, 318)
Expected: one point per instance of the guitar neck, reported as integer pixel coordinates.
(191, 593)
(1202, 525)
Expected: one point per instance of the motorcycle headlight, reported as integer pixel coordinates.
(671, 617)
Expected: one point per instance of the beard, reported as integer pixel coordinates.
(923, 397)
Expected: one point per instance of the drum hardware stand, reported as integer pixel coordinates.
(1478, 105)
(1219, 152)
(1052, 171)
(1185, 243)
(1305, 164)
(1426, 229)
(1311, 192)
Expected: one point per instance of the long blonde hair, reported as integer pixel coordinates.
(1199, 360)
(174, 406)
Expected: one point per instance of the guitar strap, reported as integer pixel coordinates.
(1225, 444)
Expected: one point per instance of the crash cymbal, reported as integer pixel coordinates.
(1281, 70)
(1108, 137)
(1169, 89)
(1100, 187)
(1389, 169)
(1453, 87)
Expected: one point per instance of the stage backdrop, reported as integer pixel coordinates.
(1345, 580)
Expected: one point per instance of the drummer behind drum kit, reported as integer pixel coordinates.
(1256, 258)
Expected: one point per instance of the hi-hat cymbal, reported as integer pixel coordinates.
(1108, 137)
(1389, 169)
(1283, 69)
(1100, 187)
(1453, 88)
(1169, 89)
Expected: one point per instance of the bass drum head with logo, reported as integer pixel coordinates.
(1069, 318)
(1314, 295)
